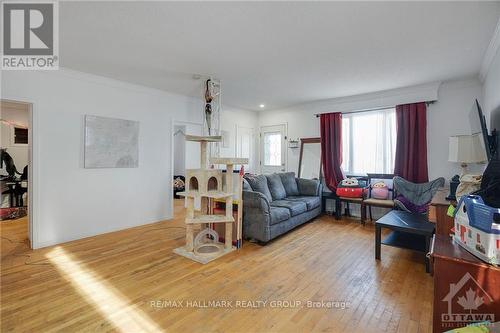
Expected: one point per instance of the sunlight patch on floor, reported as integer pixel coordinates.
(112, 305)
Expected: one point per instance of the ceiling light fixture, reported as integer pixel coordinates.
(261, 106)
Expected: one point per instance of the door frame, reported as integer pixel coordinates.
(33, 171)
(261, 151)
(176, 122)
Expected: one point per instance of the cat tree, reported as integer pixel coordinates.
(207, 184)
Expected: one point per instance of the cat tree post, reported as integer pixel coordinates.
(189, 227)
(203, 155)
(229, 206)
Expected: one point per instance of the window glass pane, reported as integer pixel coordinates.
(272, 148)
(369, 142)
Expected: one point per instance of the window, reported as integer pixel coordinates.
(272, 148)
(369, 142)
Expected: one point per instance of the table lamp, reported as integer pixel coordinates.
(464, 149)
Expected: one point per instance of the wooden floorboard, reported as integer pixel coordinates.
(107, 283)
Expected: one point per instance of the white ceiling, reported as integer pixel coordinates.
(277, 53)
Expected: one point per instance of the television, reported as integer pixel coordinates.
(478, 126)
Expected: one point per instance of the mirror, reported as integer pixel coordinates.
(310, 158)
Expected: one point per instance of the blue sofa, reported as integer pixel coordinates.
(274, 204)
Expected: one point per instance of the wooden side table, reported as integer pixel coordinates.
(438, 212)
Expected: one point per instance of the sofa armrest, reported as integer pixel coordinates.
(309, 187)
(256, 216)
(256, 201)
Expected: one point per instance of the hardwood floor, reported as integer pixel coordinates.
(108, 283)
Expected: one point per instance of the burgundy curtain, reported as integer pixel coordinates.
(331, 148)
(411, 143)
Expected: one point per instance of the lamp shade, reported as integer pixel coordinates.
(467, 149)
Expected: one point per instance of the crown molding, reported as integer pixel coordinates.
(491, 51)
(384, 98)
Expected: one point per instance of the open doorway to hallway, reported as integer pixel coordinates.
(15, 171)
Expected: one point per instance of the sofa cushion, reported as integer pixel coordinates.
(295, 207)
(308, 187)
(279, 214)
(311, 201)
(259, 184)
(276, 186)
(289, 183)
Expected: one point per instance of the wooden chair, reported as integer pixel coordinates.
(370, 202)
(359, 201)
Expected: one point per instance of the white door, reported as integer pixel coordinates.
(244, 145)
(273, 148)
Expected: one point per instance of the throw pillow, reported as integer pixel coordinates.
(289, 183)
(380, 191)
(259, 184)
(276, 186)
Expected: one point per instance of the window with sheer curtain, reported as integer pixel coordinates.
(369, 142)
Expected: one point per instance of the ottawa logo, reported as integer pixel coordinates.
(464, 303)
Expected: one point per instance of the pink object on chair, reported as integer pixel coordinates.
(380, 191)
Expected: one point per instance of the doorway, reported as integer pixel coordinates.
(273, 148)
(15, 170)
(185, 155)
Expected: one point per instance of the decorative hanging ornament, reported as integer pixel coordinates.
(208, 106)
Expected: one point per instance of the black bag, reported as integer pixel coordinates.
(490, 185)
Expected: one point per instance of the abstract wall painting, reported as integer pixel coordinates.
(111, 143)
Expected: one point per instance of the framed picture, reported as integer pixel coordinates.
(111, 143)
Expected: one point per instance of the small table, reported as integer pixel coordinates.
(409, 231)
(331, 195)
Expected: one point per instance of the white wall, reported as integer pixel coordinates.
(233, 118)
(449, 116)
(73, 202)
(491, 91)
(301, 123)
(18, 114)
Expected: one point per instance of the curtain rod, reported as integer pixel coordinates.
(374, 109)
